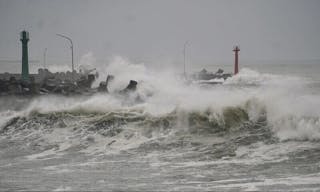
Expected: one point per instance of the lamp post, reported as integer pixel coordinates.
(44, 58)
(184, 58)
(71, 46)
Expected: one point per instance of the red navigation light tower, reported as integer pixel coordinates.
(236, 49)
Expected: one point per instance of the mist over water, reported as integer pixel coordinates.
(256, 131)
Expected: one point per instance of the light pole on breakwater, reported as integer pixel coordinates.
(45, 58)
(184, 58)
(71, 46)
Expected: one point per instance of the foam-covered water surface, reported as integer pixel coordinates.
(255, 132)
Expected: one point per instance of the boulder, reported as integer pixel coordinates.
(130, 88)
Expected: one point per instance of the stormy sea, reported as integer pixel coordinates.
(257, 131)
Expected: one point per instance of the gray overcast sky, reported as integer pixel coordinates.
(155, 30)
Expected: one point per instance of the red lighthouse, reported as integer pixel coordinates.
(236, 49)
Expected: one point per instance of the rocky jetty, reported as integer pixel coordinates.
(61, 83)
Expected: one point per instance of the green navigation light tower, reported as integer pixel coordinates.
(24, 38)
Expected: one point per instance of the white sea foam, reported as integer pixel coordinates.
(290, 107)
(292, 111)
(6, 115)
(312, 179)
(63, 188)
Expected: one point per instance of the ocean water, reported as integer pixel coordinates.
(258, 131)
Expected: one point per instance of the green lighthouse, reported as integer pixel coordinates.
(24, 38)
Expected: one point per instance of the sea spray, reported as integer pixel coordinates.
(253, 126)
(279, 101)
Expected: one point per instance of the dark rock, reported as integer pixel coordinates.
(85, 82)
(220, 71)
(103, 87)
(130, 88)
(109, 78)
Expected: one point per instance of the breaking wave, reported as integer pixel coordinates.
(248, 108)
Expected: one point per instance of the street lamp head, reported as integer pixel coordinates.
(70, 40)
